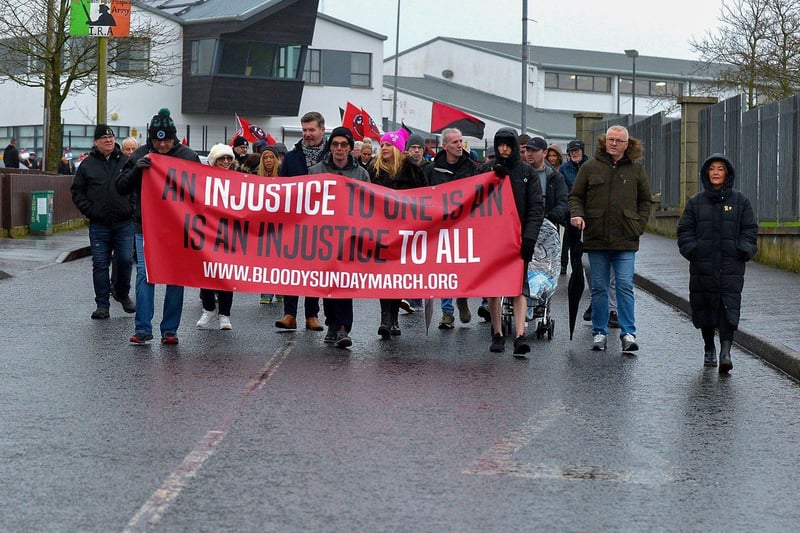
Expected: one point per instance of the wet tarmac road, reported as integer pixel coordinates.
(256, 430)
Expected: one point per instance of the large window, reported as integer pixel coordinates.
(360, 69)
(245, 58)
(203, 57)
(651, 87)
(577, 82)
(313, 70)
(338, 68)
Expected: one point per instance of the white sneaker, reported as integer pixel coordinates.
(599, 342)
(225, 322)
(628, 342)
(205, 319)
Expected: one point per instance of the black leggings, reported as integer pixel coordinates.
(225, 300)
(725, 330)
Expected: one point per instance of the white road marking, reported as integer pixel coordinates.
(154, 508)
(499, 459)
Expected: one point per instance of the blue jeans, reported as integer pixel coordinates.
(145, 299)
(447, 305)
(105, 239)
(600, 264)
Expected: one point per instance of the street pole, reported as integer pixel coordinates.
(396, 60)
(102, 80)
(523, 121)
(633, 54)
(48, 86)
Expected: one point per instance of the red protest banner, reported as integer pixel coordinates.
(327, 235)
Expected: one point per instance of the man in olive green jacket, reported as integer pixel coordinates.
(610, 203)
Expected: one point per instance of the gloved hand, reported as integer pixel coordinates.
(142, 162)
(500, 170)
(528, 246)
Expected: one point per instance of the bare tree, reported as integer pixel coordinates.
(759, 42)
(38, 51)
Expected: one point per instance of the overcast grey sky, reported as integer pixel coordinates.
(659, 28)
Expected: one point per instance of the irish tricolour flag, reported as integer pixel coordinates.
(100, 18)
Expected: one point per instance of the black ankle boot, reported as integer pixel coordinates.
(710, 356)
(383, 329)
(725, 363)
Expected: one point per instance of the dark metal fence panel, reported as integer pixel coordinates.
(747, 168)
(767, 164)
(717, 137)
(733, 148)
(649, 132)
(671, 191)
(787, 200)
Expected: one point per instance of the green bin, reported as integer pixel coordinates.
(42, 212)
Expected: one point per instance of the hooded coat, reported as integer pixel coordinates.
(613, 198)
(525, 184)
(717, 233)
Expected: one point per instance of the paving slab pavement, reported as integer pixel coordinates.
(32, 252)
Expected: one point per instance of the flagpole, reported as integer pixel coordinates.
(524, 97)
(396, 59)
(102, 80)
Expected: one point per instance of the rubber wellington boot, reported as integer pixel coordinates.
(725, 363)
(383, 329)
(710, 356)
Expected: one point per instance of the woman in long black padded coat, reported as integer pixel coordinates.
(717, 233)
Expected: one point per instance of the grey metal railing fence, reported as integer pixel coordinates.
(762, 143)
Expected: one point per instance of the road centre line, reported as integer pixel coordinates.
(498, 459)
(156, 506)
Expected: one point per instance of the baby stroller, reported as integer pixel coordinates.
(543, 272)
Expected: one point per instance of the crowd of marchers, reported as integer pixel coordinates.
(601, 202)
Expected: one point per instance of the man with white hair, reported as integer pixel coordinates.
(451, 163)
(612, 213)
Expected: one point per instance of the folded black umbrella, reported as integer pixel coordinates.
(428, 314)
(576, 284)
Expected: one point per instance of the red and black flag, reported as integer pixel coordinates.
(371, 128)
(353, 120)
(360, 124)
(251, 132)
(444, 116)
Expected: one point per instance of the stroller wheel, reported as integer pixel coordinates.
(550, 328)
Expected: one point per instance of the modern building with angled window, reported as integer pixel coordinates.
(269, 61)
